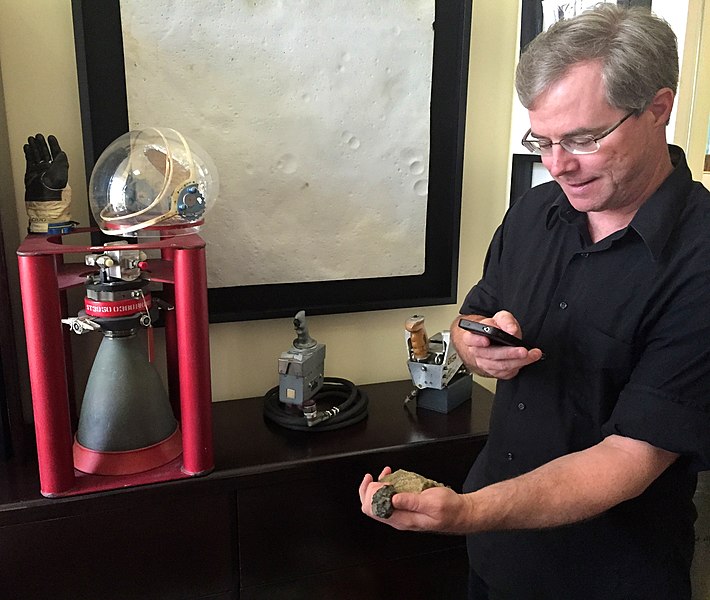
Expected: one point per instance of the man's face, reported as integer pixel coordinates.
(615, 178)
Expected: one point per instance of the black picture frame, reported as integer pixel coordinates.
(102, 92)
(521, 174)
(531, 21)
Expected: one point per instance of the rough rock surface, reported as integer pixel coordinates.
(399, 481)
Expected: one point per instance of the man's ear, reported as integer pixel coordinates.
(662, 105)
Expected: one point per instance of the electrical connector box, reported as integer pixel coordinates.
(301, 374)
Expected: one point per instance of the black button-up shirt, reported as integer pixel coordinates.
(625, 327)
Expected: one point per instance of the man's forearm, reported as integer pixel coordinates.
(569, 489)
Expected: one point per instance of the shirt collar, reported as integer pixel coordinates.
(656, 218)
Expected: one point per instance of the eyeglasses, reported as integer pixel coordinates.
(576, 144)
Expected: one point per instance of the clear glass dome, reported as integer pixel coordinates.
(152, 179)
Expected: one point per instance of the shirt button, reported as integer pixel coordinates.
(584, 254)
(509, 456)
(563, 305)
(521, 406)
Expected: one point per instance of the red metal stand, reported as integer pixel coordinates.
(44, 281)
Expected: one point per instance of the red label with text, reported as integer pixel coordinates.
(118, 308)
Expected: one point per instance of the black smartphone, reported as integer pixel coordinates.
(496, 335)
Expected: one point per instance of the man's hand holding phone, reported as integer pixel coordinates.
(493, 347)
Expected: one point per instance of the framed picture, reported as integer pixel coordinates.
(374, 238)
(527, 172)
(538, 15)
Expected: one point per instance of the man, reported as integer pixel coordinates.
(584, 489)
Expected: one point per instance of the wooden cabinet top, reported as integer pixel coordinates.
(248, 447)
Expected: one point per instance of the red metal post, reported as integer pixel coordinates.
(45, 352)
(191, 313)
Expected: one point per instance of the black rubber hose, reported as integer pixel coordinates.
(350, 400)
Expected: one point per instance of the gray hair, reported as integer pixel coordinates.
(637, 50)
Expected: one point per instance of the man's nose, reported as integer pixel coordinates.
(559, 161)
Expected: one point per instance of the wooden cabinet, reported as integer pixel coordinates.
(169, 548)
(279, 518)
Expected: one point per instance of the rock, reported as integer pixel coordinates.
(382, 502)
(399, 481)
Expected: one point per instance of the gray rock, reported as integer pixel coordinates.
(399, 481)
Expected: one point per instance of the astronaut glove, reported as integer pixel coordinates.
(47, 195)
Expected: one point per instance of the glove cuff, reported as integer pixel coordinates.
(50, 215)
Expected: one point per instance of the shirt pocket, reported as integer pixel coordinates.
(597, 349)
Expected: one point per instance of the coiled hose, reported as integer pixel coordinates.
(344, 399)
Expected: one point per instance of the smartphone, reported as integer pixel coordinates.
(496, 335)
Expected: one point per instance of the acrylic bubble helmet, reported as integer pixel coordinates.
(152, 179)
